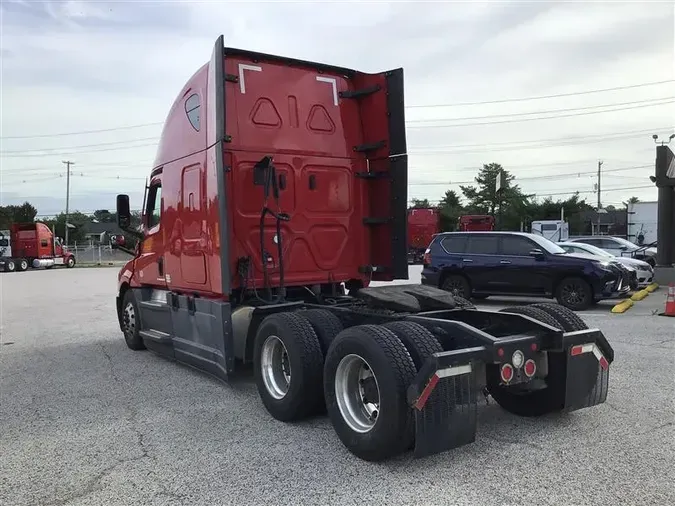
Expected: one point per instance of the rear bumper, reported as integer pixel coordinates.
(444, 395)
(430, 277)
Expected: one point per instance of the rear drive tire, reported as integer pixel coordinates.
(23, 265)
(325, 324)
(10, 265)
(130, 322)
(530, 402)
(420, 343)
(574, 293)
(288, 366)
(534, 312)
(457, 285)
(366, 376)
(568, 320)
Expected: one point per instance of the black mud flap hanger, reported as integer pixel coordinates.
(588, 357)
(444, 399)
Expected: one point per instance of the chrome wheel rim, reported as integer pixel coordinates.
(129, 320)
(357, 393)
(276, 367)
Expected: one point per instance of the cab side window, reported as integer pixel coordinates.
(192, 110)
(154, 209)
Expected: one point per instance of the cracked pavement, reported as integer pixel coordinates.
(86, 421)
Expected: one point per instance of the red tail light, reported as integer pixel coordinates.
(426, 260)
(530, 368)
(507, 373)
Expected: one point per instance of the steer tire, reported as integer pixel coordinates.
(568, 319)
(534, 312)
(130, 319)
(392, 432)
(325, 324)
(303, 396)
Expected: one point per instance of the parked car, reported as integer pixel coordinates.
(480, 264)
(619, 247)
(644, 271)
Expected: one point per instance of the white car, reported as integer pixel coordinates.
(619, 247)
(645, 272)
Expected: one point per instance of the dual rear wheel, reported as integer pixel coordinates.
(306, 363)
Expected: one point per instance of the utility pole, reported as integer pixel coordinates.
(68, 164)
(600, 162)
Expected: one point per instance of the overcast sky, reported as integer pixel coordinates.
(73, 66)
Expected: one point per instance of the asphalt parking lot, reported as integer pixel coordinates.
(86, 421)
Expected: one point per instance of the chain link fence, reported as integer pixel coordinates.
(97, 255)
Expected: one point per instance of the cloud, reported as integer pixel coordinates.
(74, 66)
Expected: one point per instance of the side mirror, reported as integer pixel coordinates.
(537, 253)
(623, 247)
(123, 212)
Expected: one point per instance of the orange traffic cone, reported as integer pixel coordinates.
(670, 301)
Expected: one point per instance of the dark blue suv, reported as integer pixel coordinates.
(480, 264)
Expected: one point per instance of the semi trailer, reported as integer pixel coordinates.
(33, 245)
(277, 197)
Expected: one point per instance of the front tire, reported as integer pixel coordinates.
(288, 367)
(130, 322)
(70, 262)
(366, 376)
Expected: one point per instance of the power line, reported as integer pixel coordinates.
(83, 132)
(457, 104)
(550, 139)
(79, 146)
(549, 111)
(541, 97)
(544, 117)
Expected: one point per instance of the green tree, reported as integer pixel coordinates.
(632, 200)
(451, 209)
(549, 209)
(105, 216)
(77, 231)
(420, 204)
(24, 213)
(482, 198)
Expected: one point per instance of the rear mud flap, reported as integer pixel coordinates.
(445, 410)
(587, 379)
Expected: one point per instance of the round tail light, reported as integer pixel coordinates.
(530, 368)
(517, 359)
(507, 373)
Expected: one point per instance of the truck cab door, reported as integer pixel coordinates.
(150, 263)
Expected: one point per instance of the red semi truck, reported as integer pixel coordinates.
(476, 223)
(32, 245)
(279, 192)
(423, 223)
